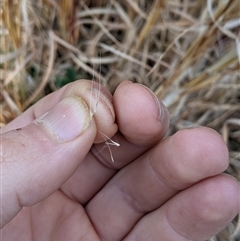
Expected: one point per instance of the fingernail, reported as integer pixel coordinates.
(162, 110)
(68, 119)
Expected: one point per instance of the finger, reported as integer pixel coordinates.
(133, 104)
(91, 92)
(131, 107)
(176, 163)
(196, 213)
(39, 158)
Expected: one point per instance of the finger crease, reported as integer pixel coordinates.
(133, 202)
(96, 154)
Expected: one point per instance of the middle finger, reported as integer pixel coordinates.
(175, 164)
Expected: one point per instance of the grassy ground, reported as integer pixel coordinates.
(186, 51)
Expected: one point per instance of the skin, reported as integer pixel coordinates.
(156, 188)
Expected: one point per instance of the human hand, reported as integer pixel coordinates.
(57, 185)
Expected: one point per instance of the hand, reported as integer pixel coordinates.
(58, 185)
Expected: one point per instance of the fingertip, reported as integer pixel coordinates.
(189, 156)
(105, 119)
(208, 206)
(219, 197)
(204, 147)
(141, 117)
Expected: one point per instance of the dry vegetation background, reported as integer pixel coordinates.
(186, 51)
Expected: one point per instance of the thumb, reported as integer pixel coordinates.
(37, 159)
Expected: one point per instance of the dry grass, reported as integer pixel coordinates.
(187, 52)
